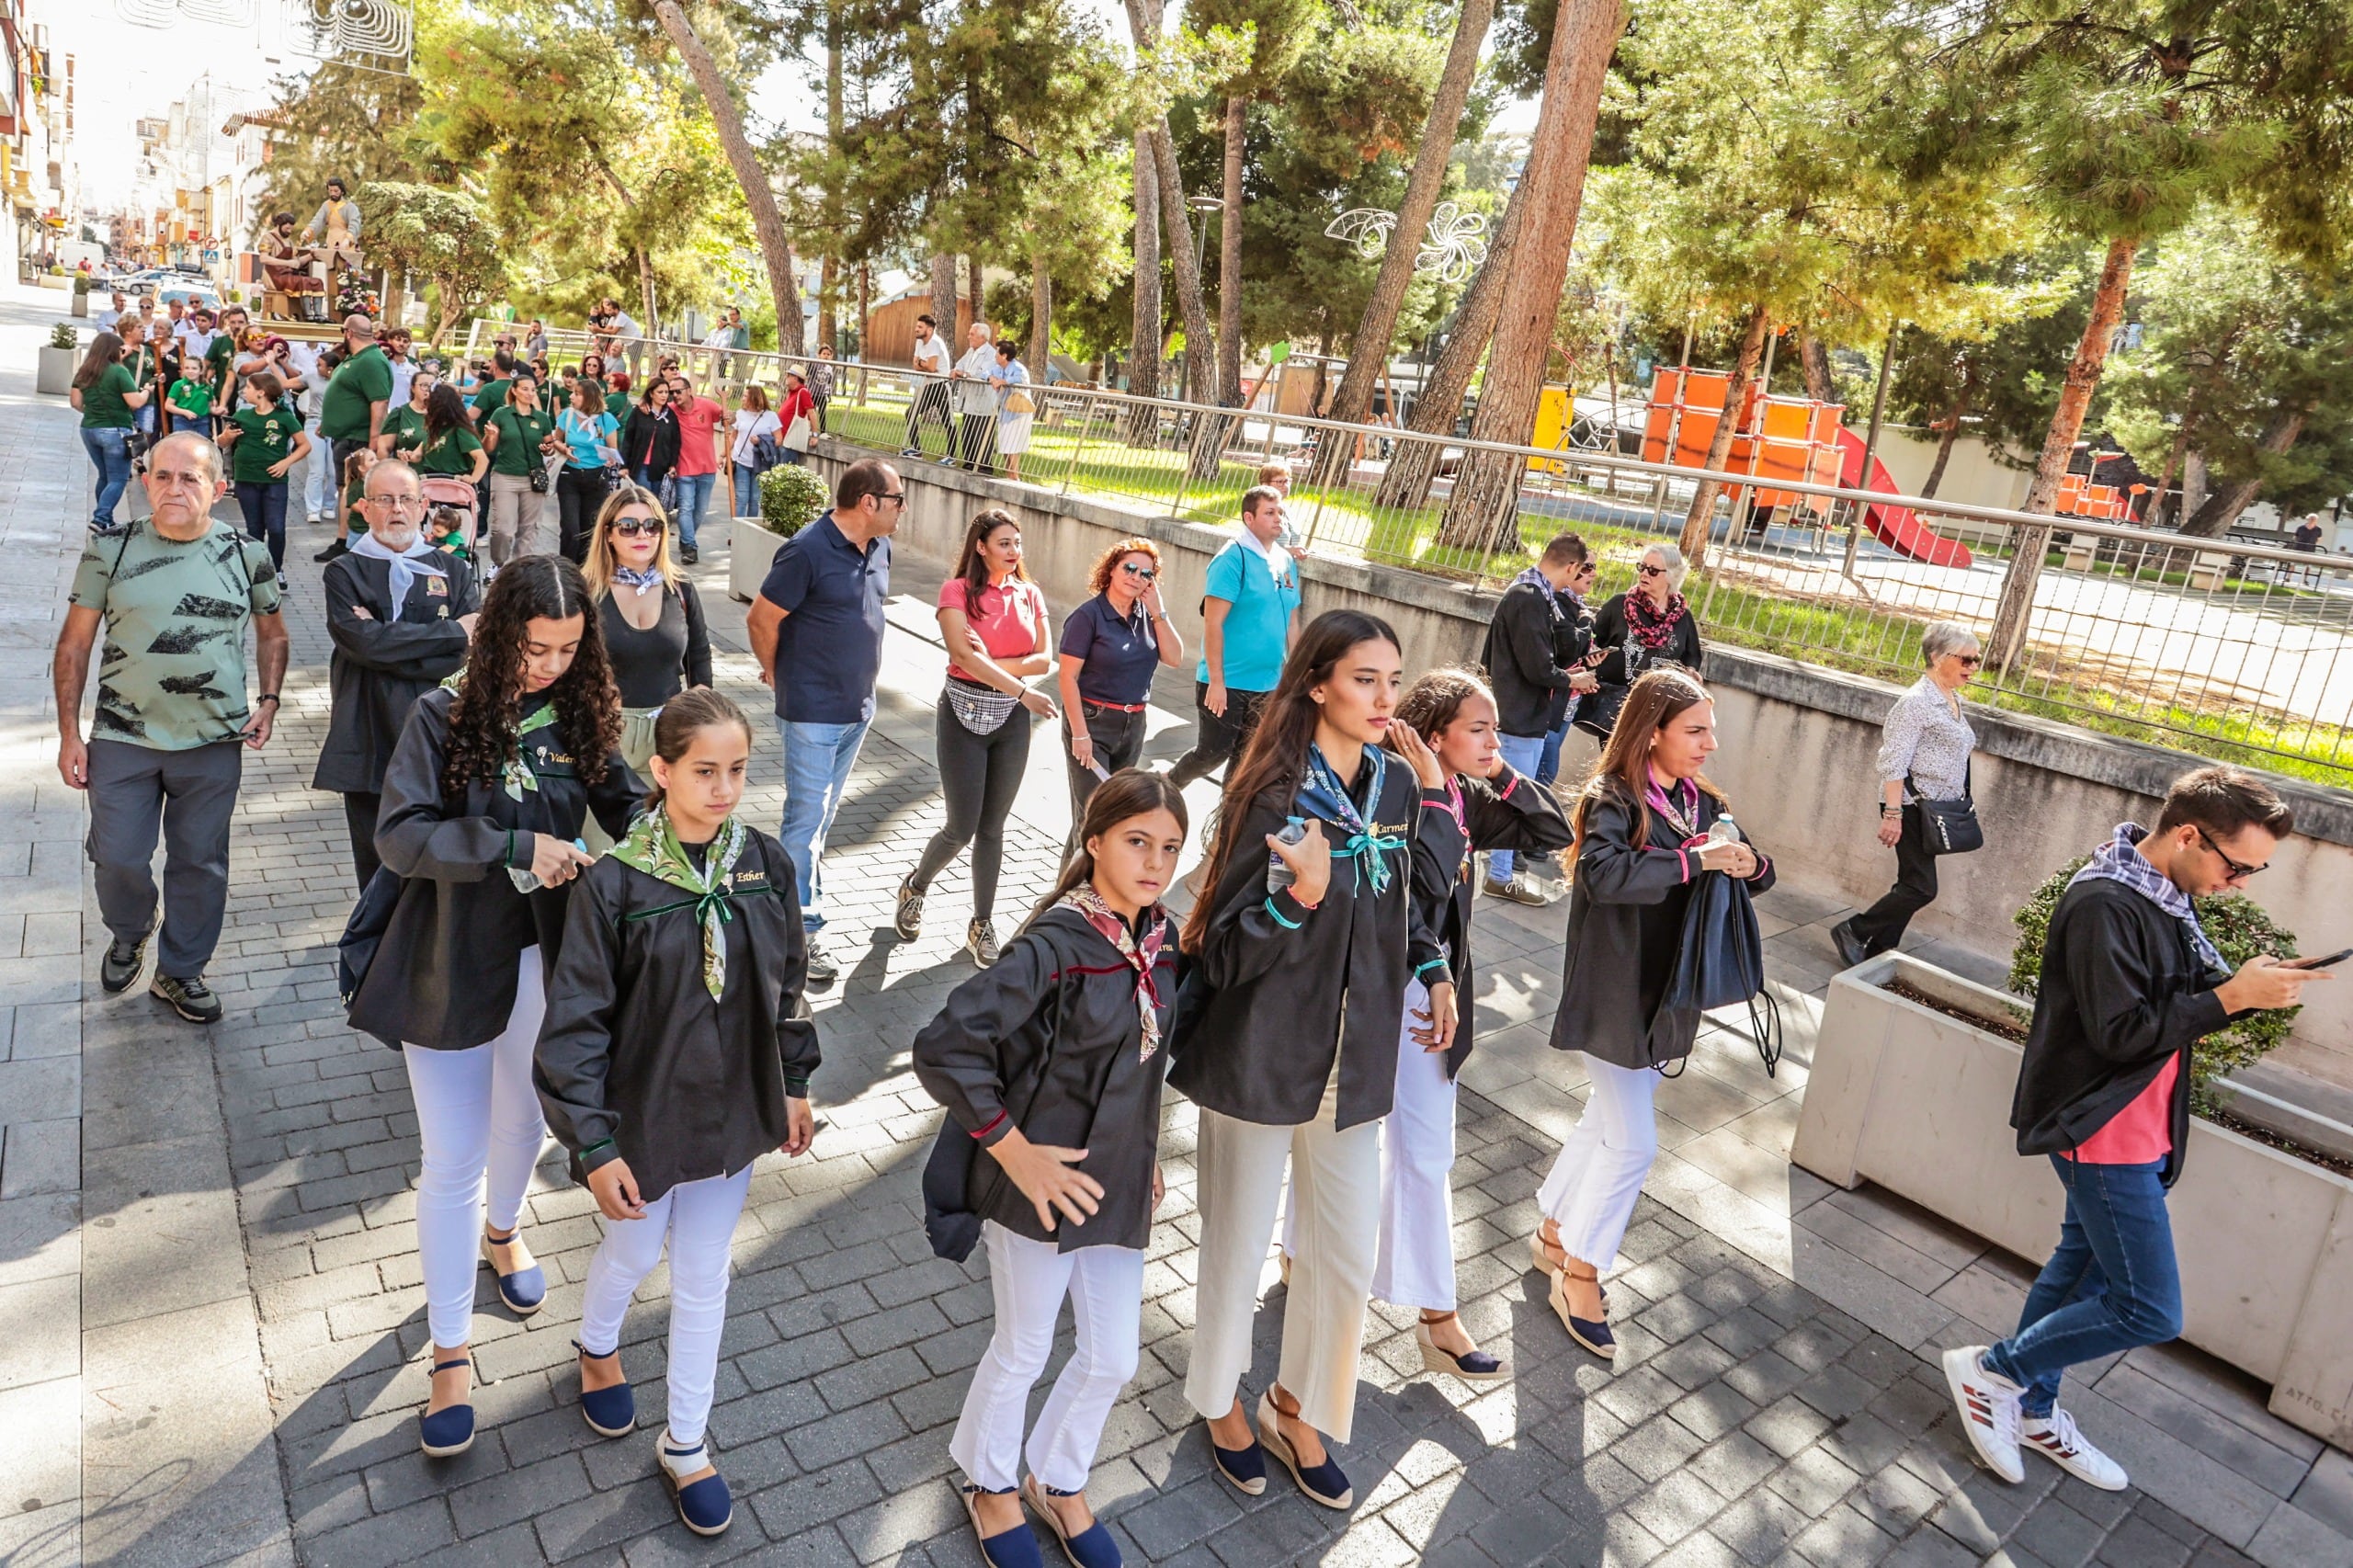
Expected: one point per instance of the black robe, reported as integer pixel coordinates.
(1277, 989)
(382, 664)
(1626, 907)
(443, 976)
(636, 1049)
(1052, 1028)
(1508, 811)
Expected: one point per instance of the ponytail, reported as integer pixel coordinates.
(682, 718)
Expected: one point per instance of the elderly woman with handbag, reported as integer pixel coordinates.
(1016, 407)
(1925, 808)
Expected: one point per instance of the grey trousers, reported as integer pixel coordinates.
(192, 796)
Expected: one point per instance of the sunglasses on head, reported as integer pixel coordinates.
(1132, 570)
(632, 527)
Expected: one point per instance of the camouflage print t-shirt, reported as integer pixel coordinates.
(172, 673)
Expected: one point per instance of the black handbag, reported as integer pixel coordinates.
(1719, 961)
(1951, 827)
(364, 932)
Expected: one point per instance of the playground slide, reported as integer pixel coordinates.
(1894, 526)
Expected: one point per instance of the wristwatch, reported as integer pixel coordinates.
(270, 696)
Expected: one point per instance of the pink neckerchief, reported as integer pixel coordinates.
(1682, 816)
(1114, 930)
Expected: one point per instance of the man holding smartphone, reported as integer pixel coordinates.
(2130, 985)
(1534, 658)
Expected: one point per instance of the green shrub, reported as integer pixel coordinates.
(81, 283)
(2239, 929)
(63, 335)
(790, 498)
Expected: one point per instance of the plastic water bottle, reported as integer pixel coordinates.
(1724, 830)
(1279, 875)
(527, 881)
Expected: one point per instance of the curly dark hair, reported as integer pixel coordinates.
(490, 694)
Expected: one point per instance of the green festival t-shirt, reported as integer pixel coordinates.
(364, 379)
(102, 404)
(172, 673)
(263, 439)
(489, 398)
(451, 453)
(519, 435)
(405, 426)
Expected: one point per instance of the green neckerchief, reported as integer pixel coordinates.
(652, 846)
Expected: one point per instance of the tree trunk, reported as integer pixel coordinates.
(768, 223)
(1377, 327)
(2174, 454)
(2015, 609)
(1406, 483)
(1484, 512)
(1143, 340)
(1698, 523)
(2213, 519)
(1200, 342)
(1042, 315)
(943, 300)
(829, 282)
(1815, 359)
(645, 288)
(1229, 256)
(1945, 443)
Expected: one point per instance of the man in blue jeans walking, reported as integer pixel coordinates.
(816, 629)
(2130, 985)
(1534, 659)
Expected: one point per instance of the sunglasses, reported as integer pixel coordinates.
(1647, 570)
(1970, 660)
(1132, 570)
(633, 528)
(2237, 872)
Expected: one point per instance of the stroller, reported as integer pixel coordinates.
(452, 509)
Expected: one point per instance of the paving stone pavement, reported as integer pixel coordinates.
(253, 1357)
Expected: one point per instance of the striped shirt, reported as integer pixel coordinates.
(1927, 741)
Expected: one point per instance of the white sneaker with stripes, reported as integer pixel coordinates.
(1988, 1403)
(2057, 1439)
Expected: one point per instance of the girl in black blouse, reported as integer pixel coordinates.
(1051, 1061)
(1286, 1039)
(671, 1059)
(651, 617)
(650, 439)
(485, 796)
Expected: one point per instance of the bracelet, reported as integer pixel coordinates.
(271, 696)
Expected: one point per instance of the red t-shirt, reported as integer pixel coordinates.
(1009, 619)
(2143, 1131)
(698, 417)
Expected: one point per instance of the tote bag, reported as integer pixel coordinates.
(797, 435)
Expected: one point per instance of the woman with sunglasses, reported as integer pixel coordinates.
(1638, 631)
(1111, 647)
(1923, 755)
(655, 637)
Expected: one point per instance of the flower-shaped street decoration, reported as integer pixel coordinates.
(1453, 245)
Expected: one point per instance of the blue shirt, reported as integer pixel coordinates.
(829, 647)
(1258, 627)
(585, 434)
(1121, 654)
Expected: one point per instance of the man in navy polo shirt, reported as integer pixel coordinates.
(816, 629)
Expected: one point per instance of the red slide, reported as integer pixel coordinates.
(1894, 526)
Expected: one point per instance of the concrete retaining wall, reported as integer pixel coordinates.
(1799, 750)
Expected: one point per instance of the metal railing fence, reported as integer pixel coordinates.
(2230, 650)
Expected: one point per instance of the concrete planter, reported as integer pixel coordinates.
(750, 551)
(1902, 1096)
(82, 306)
(56, 372)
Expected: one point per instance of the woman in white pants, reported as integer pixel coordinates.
(672, 1060)
(1286, 1039)
(1642, 844)
(486, 790)
(1065, 1200)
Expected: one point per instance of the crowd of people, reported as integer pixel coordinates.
(566, 927)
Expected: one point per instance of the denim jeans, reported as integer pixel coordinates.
(265, 509)
(191, 425)
(1547, 767)
(748, 492)
(109, 450)
(1525, 755)
(694, 495)
(2112, 1284)
(817, 760)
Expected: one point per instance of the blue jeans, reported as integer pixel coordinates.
(694, 493)
(817, 760)
(265, 509)
(2112, 1284)
(1547, 767)
(748, 492)
(191, 425)
(109, 450)
(1525, 755)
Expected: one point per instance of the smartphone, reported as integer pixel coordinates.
(2329, 962)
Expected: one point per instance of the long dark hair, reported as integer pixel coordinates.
(445, 410)
(975, 571)
(1275, 762)
(105, 349)
(1130, 792)
(1624, 771)
(696, 709)
(489, 703)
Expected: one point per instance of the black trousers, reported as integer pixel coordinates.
(579, 495)
(1118, 742)
(1218, 738)
(980, 775)
(976, 441)
(359, 816)
(1882, 925)
(931, 402)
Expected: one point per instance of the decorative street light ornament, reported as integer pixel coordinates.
(1453, 245)
(376, 30)
(161, 13)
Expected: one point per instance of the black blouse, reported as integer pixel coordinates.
(636, 1051)
(1508, 811)
(654, 665)
(382, 664)
(1278, 989)
(1048, 1039)
(444, 975)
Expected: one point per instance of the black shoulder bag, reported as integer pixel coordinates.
(1950, 826)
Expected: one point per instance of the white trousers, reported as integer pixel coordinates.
(1590, 1194)
(1335, 1187)
(1029, 1280)
(698, 1218)
(477, 1115)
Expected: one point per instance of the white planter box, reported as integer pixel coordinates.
(1919, 1103)
(56, 372)
(751, 550)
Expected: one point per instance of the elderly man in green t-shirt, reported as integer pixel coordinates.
(167, 746)
(352, 410)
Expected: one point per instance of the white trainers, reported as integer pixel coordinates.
(1988, 1403)
(2057, 1439)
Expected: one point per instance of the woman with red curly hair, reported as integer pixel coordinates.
(1111, 647)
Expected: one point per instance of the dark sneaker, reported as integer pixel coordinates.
(908, 921)
(980, 940)
(1851, 950)
(119, 970)
(191, 998)
(1515, 888)
(822, 970)
(331, 551)
(690, 554)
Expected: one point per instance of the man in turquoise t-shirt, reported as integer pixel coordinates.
(1246, 608)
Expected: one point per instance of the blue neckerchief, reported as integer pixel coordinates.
(2118, 861)
(1536, 579)
(1322, 793)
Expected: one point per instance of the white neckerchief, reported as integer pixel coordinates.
(407, 564)
(1276, 560)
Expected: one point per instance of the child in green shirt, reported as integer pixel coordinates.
(191, 405)
(265, 438)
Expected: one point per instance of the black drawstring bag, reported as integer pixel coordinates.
(1720, 962)
(364, 932)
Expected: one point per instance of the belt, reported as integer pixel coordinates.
(1114, 707)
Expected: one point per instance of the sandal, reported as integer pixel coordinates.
(1472, 1365)
(448, 1431)
(704, 1506)
(1592, 1333)
(1014, 1548)
(1090, 1548)
(1325, 1483)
